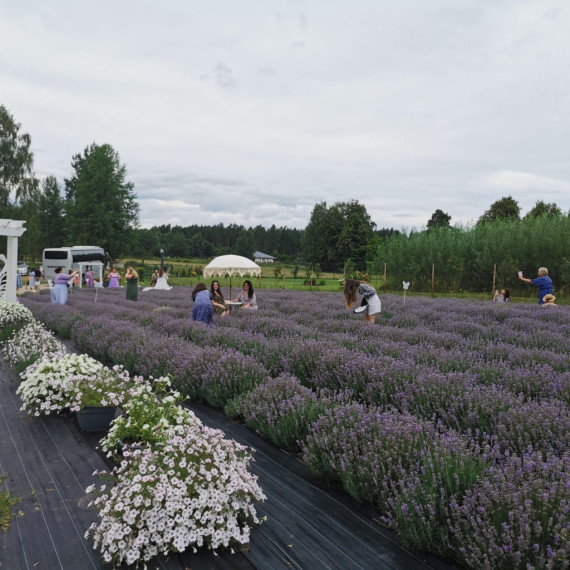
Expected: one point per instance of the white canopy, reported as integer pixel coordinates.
(231, 265)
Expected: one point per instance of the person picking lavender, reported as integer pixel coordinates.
(370, 304)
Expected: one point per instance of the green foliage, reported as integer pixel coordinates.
(295, 270)
(101, 208)
(439, 219)
(543, 209)
(16, 161)
(503, 209)
(464, 258)
(198, 246)
(245, 244)
(7, 501)
(336, 233)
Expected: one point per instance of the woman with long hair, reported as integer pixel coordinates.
(61, 281)
(114, 278)
(370, 304)
(503, 297)
(132, 284)
(247, 297)
(202, 310)
(218, 301)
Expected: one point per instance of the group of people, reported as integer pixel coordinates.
(208, 302)
(159, 280)
(34, 279)
(542, 282)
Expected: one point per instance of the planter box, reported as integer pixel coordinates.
(93, 418)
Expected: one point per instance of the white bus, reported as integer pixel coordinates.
(77, 257)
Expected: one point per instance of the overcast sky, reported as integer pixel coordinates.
(251, 112)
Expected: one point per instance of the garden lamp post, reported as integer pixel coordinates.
(162, 259)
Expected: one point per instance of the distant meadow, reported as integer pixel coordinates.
(450, 417)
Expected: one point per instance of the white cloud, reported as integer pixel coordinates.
(253, 112)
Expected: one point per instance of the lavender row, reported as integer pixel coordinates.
(430, 414)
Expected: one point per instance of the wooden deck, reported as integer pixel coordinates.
(49, 463)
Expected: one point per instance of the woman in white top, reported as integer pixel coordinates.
(370, 304)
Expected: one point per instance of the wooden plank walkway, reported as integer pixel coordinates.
(49, 463)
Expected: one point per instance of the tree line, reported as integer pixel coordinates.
(97, 205)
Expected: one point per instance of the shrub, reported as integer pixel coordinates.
(190, 491)
(71, 383)
(280, 409)
(29, 344)
(151, 409)
(517, 516)
(229, 376)
(13, 316)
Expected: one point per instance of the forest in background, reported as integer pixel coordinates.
(97, 205)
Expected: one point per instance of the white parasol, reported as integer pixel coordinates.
(231, 265)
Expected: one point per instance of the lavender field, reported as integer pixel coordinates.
(451, 417)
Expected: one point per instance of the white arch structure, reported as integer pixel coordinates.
(12, 229)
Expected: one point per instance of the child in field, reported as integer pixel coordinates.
(370, 304)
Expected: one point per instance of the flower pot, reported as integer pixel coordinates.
(93, 418)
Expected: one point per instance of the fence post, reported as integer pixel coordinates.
(384, 278)
(494, 273)
(432, 277)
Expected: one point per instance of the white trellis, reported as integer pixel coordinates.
(12, 229)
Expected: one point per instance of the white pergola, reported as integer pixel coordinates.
(12, 229)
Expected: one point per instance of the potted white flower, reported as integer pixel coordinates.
(75, 383)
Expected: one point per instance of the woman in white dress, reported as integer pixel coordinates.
(161, 282)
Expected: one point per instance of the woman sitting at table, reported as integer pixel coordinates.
(247, 296)
(218, 301)
(202, 310)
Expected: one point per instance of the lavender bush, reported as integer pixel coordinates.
(280, 409)
(416, 414)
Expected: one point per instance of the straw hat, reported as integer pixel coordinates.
(549, 298)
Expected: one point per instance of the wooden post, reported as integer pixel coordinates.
(311, 278)
(432, 277)
(384, 278)
(494, 274)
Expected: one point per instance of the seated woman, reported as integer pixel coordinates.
(218, 301)
(503, 297)
(202, 310)
(247, 297)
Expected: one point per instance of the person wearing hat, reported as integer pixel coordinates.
(543, 282)
(548, 301)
